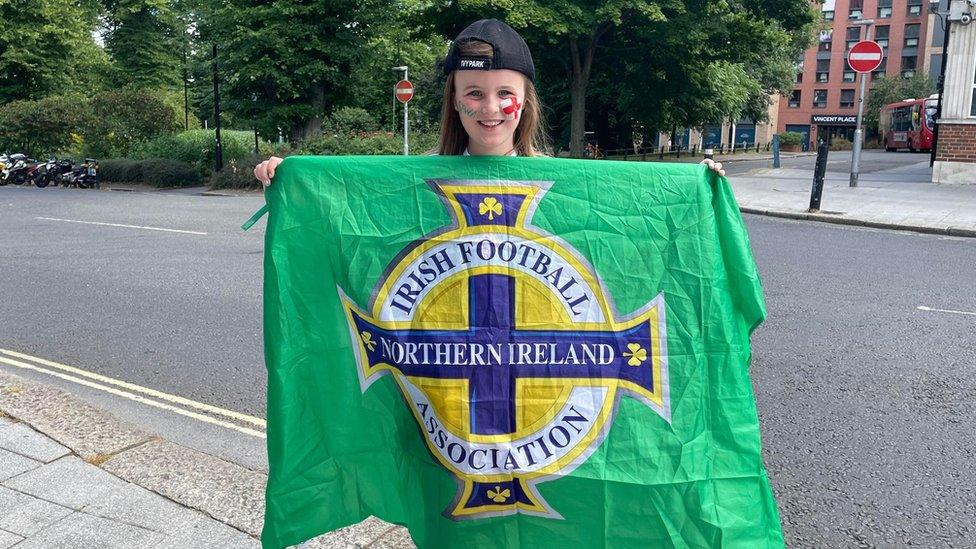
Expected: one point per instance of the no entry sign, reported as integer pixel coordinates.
(404, 91)
(865, 56)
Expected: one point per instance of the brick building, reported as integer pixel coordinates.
(823, 103)
(955, 160)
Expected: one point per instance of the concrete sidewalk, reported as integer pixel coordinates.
(73, 476)
(900, 198)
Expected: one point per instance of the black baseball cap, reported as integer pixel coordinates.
(510, 51)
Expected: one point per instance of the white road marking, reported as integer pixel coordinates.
(139, 398)
(866, 56)
(950, 311)
(121, 225)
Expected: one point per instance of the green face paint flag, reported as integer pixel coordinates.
(512, 352)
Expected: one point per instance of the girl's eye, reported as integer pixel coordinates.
(474, 93)
(504, 93)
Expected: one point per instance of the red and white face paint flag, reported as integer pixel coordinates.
(510, 107)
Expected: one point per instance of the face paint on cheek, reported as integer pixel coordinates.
(510, 107)
(465, 110)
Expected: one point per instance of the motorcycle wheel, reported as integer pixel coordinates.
(3, 181)
(19, 178)
(41, 182)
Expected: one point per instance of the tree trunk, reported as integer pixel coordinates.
(582, 62)
(313, 126)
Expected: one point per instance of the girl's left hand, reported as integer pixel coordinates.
(714, 166)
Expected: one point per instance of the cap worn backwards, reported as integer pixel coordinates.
(509, 49)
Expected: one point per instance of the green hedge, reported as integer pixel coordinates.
(158, 172)
(197, 147)
(790, 139)
(368, 143)
(237, 174)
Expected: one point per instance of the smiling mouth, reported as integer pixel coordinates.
(490, 123)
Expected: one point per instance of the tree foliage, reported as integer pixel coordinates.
(43, 126)
(146, 40)
(46, 48)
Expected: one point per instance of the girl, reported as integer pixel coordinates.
(490, 102)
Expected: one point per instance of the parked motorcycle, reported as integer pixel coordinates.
(15, 170)
(53, 171)
(83, 176)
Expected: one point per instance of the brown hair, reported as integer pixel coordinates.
(530, 135)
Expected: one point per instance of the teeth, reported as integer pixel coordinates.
(490, 123)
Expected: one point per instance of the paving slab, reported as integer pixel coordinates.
(357, 535)
(133, 504)
(81, 530)
(69, 482)
(26, 515)
(12, 464)
(8, 539)
(86, 430)
(397, 538)
(21, 439)
(226, 491)
(208, 534)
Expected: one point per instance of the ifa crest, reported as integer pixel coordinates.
(506, 347)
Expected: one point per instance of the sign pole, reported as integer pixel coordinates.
(406, 120)
(856, 152)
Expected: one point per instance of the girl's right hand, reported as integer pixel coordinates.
(265, 170)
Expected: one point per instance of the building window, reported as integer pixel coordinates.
(828, 15)
(908, 65)
(881, 36)
(795, 99)
(884, 9)
(914, 8)
(853, 36)
(881, 70)
(846, 98)
(972, 106)
(849, 75)
(823, 70)
(824, 46)
(857, 7)
(799, 78)
(820, 99)
(911, 35)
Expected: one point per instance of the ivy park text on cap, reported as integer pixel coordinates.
(510, 51)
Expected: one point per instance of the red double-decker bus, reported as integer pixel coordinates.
(907, 124)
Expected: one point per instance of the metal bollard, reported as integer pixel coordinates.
(776, 163)
(819, 172)
(709, 153)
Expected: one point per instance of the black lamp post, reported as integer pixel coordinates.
(946, 26)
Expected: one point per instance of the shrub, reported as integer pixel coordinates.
(238, 174)
(120, 120)
(840, 144)
(351, 120)
(198, 147)
(42, 127)
(790, 139)
(158, 172)
(368, 144)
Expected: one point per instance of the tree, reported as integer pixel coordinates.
(43, 126)
(145, 39)
(285, 63)
(46, 47)
(891, 89)
(121, 119)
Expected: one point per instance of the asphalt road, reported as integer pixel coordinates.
(865, 399)
(837, 161)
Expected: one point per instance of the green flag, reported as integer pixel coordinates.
(512, 352)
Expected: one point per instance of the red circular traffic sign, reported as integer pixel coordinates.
(865, 56)
(403, 91)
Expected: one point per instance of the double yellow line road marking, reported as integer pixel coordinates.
(249, 425)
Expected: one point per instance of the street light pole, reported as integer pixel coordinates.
(947, 25)
(858, 132)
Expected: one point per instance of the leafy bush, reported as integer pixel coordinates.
(351, 120)
(158, 172)
(121, 119)
(238, 174)
(368, 144)
(42, 127)
(198, 147)
(840, 144)
(790, 139)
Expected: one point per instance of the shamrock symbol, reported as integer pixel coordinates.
(368, 340)
(490, 206)
(498, 495)
(637, 354)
